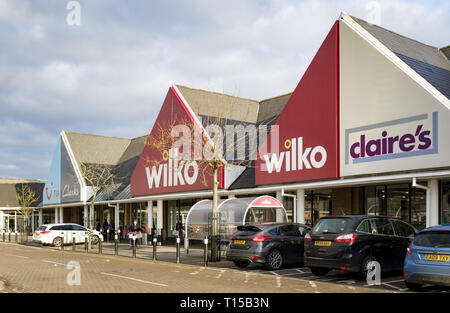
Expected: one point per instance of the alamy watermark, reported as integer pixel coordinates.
(73, 17)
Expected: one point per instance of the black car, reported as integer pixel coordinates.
(351, 242)
(272, 245)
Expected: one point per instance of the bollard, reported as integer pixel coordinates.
(9, 236)
(134, 246)
(15, 237)
(107, 235)
(205, 256)
(62, 241)
(73, 242)
(100, 245)
(86, 247)
(116, 244)
(3, 236)
(178, 249)
(154, 248)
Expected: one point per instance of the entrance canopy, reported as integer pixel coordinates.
(232, 213)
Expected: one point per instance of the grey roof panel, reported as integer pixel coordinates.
(406, 46)
(436, 76)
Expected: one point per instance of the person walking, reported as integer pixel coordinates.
(105, 227)
(112, 228)
(179, 227)
(135, 230)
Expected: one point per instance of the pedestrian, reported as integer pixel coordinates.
(105, 226)
(98, 227)
(112, 228)
(135, 230)
(179, 227)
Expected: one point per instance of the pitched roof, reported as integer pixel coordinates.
(429, 62)
(88, 148)
(214, 104)
(9, 187)
(271, 108)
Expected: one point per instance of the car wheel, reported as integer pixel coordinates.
(366, 265)
(57, 242)
(319, 271)
(94, 240)
(413, 286)
(241, 264)
(274, 260)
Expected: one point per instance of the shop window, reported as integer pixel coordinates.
(288, 203)
(375, 200)
(398, 201)
(419, 207)
(445, 203)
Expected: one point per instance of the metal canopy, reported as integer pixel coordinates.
(232, 213)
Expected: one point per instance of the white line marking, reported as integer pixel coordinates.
(196, 272)
(300, 271)
(17, 256)
(312, 284)
(272, 272)
(220, 274)
(392, 286)
(387, 282)
(135, 279)
(56, 263)
(278, 278)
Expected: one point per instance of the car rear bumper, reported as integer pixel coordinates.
(345, 263)
(418, 273)
(245, 255)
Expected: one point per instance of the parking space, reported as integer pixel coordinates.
(390, 281)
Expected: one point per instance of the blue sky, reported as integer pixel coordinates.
(109, 75)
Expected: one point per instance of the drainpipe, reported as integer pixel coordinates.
(116, 214)
(428, 195)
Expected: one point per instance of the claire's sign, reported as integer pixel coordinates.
(401, 138)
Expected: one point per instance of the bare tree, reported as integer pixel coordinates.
(98, 177)
(26, 198)
(218, 143)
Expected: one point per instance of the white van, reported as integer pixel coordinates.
(56, 234)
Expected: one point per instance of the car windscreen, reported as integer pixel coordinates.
(331, 226)
(434, 239)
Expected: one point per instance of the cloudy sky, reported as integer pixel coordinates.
(109, 75)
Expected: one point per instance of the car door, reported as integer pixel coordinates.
(291, 242)
(405, 234)
(384, 240)
(80, 233)
(67, 233)
(302, 231)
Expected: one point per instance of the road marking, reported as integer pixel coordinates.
(17, 256)
(300, 271)
(196, 272)
(312, 284)
(135, 279)
(387, 282)
(392, 286)
(220, 274)
(272, 272)
(278, 278)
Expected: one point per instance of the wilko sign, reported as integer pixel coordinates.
(173, 173)
(401, 138)
(296, 159)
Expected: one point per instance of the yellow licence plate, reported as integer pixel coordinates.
(322, 243)
(437, 257)
(239, 242)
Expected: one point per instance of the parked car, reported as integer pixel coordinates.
(57, 234)
(271, 245)
(428, 258)
(352, 243)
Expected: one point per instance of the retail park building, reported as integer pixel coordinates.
(364, 132)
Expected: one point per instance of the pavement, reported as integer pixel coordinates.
(164, 269)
